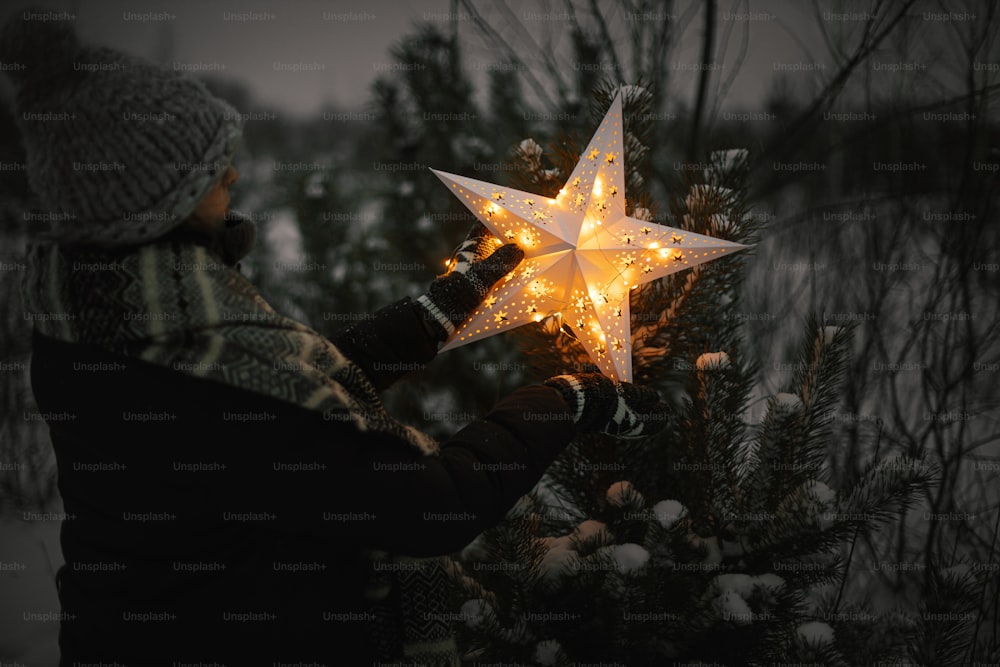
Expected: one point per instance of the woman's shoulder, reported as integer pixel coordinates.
(95, 384)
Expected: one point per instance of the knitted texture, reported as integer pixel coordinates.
(177, 306)
(119, 150)
(477, 245)
(601, 405)
(232, 242)
(476, 266)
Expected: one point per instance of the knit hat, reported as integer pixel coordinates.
(119, 150)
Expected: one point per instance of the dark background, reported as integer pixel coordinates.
(823, 95)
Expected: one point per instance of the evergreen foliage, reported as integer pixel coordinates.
(718, 541)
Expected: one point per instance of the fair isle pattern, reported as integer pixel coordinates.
(424, 591)
(471, 250)
(175, 305)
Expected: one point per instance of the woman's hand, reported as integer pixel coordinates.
(478, 263)
(602, 405)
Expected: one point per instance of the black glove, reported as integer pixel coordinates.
(602, 405)
(386, 345)
(473, 272)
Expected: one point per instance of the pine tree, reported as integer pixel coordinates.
(428, 118)
(718, 540)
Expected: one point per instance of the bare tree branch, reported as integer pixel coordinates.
(706, 58)
(726, 84)
(501, 44)
(609, 43)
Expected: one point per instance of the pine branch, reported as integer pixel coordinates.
(981, 607)
(885, 489)
(857, 530)
(947, 615)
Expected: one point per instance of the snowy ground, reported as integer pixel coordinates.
(29, 559)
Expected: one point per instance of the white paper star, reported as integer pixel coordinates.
(582, 254)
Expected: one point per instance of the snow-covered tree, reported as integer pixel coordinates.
(719, 540)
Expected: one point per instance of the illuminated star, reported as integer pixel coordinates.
(538, 289)
(577, 251)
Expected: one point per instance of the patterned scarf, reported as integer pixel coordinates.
(175, 305)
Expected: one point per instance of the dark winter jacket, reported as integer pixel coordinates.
(207, 524)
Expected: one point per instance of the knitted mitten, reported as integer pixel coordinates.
(474, 271)
(603, 405)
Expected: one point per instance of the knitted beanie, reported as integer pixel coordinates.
(119, 150)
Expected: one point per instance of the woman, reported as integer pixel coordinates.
(235, 491)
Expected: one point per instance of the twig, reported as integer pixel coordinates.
(609, 43)
(868, 44)
(503, 45)
(706, 55)
(982, 597)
